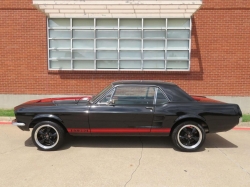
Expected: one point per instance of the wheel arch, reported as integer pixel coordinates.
(47, 117)
(196, 119)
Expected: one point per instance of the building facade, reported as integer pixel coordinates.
(57, 47)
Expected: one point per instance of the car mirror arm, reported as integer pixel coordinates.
(111, 102)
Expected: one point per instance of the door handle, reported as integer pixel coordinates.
(149, 107)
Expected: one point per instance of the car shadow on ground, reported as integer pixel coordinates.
(212, 141)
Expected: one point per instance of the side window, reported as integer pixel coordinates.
(106, 98)
(150, 93)
(161, 99)
(133, 95)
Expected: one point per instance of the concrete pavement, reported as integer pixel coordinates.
(124, 161)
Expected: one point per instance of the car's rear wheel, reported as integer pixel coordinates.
(48, 136)
(188, 136)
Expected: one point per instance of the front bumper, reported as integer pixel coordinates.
(15, 123)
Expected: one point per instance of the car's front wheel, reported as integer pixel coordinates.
(47, 135)
(188, 136)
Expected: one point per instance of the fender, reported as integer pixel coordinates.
(187, 116)
(51, 116)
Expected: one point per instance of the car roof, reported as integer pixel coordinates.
(151, 82)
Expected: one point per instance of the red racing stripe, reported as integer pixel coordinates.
(78, 130)
(120, 130)
(123, 130)
(160, 130)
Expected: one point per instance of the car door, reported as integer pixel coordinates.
(163, 118)
(125, 109)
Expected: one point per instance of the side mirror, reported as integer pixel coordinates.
(111, 102)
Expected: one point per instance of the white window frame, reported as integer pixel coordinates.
(118, 49)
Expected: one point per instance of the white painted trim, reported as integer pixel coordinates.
(118, 8)
(117, 2)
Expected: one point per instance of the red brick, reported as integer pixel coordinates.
(220, 57)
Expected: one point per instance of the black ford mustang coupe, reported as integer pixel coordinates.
(128, 108)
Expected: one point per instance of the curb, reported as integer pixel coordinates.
(6, 119)
(5, 123)
(244, 124)
(242, 128)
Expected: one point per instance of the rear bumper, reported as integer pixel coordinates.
(240, 119)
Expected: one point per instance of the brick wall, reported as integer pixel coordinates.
(220, 57)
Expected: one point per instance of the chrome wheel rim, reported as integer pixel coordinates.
(46, 136)
(189, 136)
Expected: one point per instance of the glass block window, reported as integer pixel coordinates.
(119, 44)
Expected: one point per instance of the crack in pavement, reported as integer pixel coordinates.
(236, 163)
(137, 165)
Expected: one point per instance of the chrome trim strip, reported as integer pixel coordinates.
(15, 123)
(155, 95)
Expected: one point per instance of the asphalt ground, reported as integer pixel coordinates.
(224, 160)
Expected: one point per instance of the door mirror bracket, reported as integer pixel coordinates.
(111, 102)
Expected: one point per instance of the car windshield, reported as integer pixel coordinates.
(100, 93)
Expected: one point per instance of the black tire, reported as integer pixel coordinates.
(48, 136)
(188, 136)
